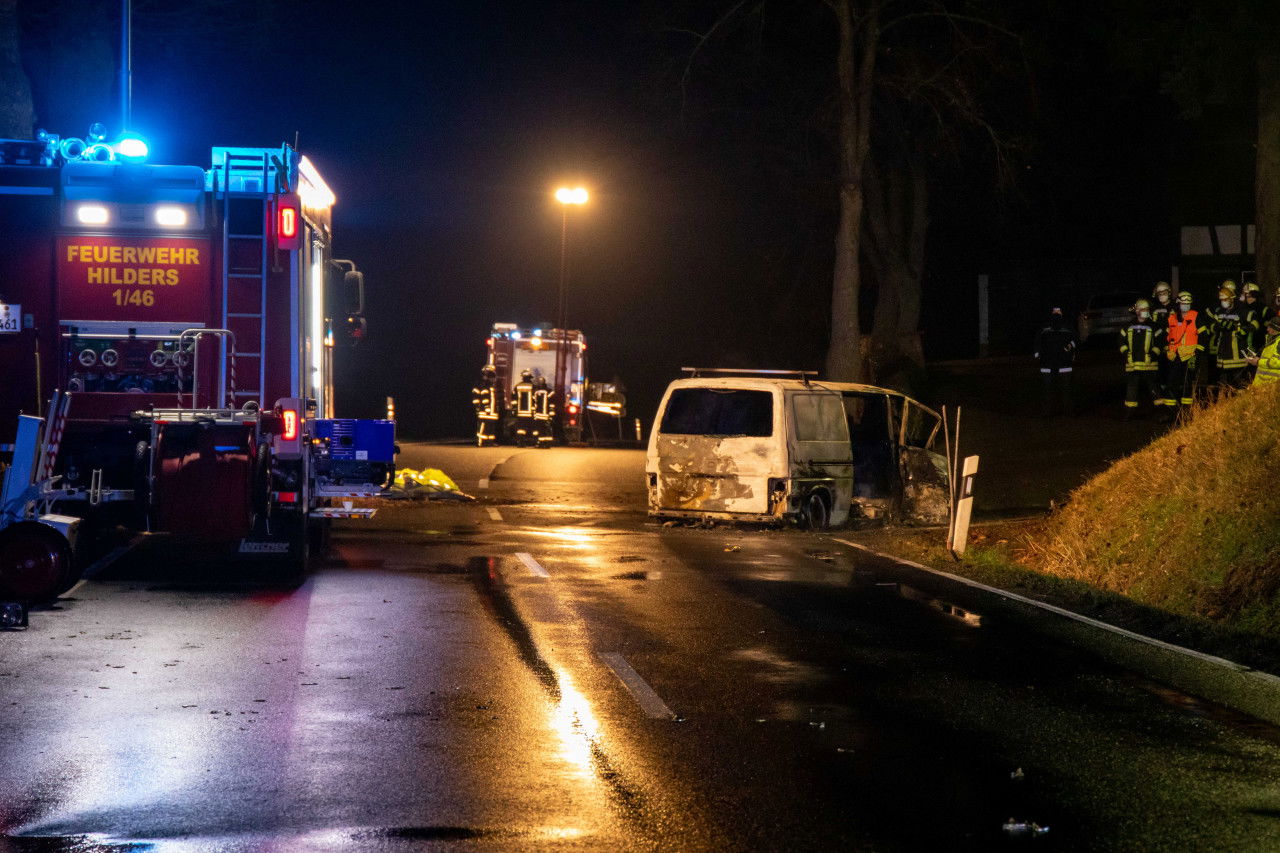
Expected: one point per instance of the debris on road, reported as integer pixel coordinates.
(425, 484)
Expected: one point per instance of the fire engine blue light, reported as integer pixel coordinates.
(132, 148)
(515, 336)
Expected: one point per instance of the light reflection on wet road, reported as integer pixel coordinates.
(649, 688)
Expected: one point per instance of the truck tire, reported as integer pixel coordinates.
(35, 563)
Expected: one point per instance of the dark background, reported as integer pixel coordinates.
(444, 128)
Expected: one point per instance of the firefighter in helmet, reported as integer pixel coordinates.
(543, 412)
(1182, 346)
(1141, 350)
(1229, 335)
(522, 403)
(1162, 304)
(1268, 361)
(1252, 309)
(488, 406)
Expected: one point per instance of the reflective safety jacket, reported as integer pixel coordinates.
(1268, 364)
(1230, 331)
(1055, 350)
(1140, 348)
(1160, 321)
(485, 401)
(1183, 339)
(542, 403)
(523, 399)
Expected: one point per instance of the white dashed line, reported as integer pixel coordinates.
(494, 514)
(532, 565)
(649, 701)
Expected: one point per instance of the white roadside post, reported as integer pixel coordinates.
(959, 537)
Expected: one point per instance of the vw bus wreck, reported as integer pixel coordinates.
(775, 446)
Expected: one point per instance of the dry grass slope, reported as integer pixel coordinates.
(1188, 524)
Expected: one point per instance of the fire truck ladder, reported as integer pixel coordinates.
(245, 175)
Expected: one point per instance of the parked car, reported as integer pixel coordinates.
(1106, 313)
(769, 449)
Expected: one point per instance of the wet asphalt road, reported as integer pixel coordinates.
(545, 669)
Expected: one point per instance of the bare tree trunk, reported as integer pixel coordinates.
(1267, 179)
(894, 230)
(855, 67)
(17, 114)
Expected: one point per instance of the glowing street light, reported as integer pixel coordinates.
(566, 196)
(577, 195)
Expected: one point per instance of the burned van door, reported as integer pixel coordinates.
(923, 472)
(821, 464)
(871, 421)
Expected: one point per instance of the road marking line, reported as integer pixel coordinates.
(532, 565)
(494, 514)
(1142, 638)
(649, 701)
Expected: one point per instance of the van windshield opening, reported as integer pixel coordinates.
(719, 411)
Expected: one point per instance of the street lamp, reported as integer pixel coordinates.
(566, 196)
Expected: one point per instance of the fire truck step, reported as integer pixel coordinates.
(253, 316)
(249, 275)
(249, 393)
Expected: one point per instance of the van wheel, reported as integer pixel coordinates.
(814, 512)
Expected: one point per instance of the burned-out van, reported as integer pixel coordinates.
(776, 445)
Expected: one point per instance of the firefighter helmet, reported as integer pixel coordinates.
(525, 375)
(1250, 287)
(489, 370)
(1141, 305)
(1184, 297)
(1226, 294)
(1230, 285)
(1161, 286)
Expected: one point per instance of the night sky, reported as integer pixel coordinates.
(443, 128)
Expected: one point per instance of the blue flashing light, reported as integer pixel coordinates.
(515, 336)
(132, 148)
(537, 333)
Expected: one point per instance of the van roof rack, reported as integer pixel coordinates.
(802, 375)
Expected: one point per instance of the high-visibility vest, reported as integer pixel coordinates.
(1182, 331)
(1268, 364)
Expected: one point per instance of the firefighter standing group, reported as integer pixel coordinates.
(1163, 346)
(530, 406)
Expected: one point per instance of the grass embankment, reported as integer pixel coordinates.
(1186, 525)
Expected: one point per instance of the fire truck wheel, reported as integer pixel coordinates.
(35, 562)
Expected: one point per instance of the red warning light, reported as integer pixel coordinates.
(288, 224)
(290, 417)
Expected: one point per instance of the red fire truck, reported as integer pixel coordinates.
(167, 337)
(559, 358)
